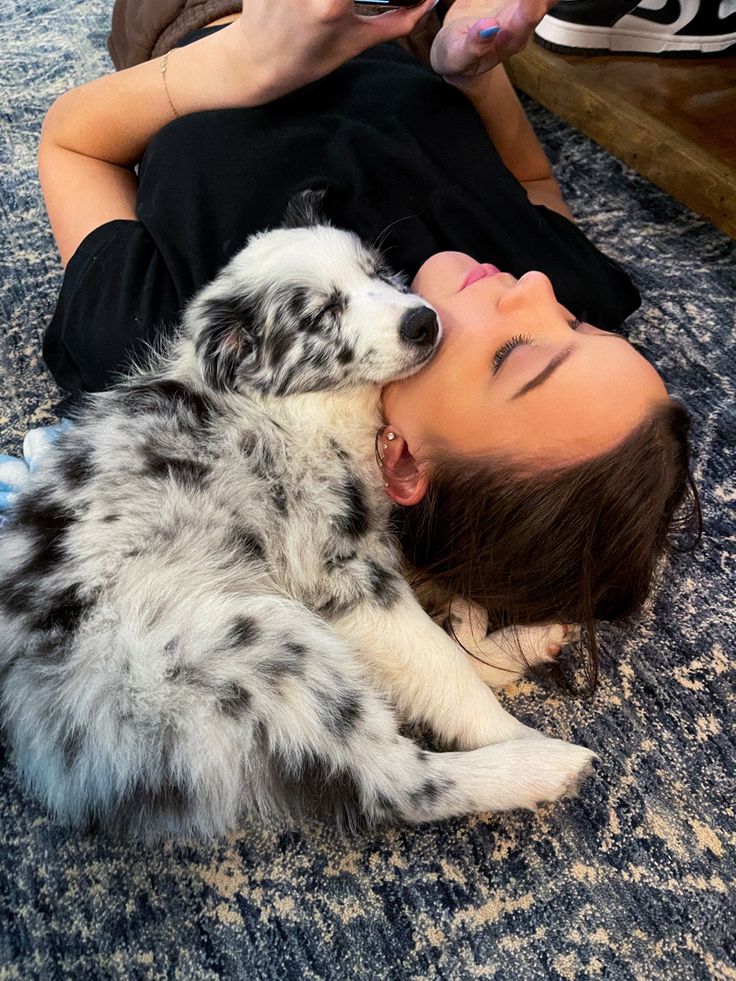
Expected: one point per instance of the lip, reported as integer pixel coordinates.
(481, 271)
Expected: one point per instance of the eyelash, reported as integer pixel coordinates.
(516, 341)
(507, 347)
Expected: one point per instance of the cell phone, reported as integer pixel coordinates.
(387, 4)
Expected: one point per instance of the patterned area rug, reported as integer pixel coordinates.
(634, 879)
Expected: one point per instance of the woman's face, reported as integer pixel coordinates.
(515, 376)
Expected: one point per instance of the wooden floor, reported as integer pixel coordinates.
(672, 120)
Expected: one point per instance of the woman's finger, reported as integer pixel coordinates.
(481, 38)
(466, 47)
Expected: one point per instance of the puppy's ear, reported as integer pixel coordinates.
(306, 209)
(225, 338)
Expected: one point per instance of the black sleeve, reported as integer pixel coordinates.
(117, 297)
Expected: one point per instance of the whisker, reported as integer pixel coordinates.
(377, 244)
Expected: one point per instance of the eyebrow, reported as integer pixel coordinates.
(544, 374)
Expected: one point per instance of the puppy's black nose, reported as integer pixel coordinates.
(419, 326)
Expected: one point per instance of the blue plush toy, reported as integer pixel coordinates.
(14, 472)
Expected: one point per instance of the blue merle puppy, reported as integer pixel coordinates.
(201, 609)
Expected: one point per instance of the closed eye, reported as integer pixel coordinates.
(387, 275)
(517, 341)
(506, 348)
(391, 279)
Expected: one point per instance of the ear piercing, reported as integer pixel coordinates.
(390, 437)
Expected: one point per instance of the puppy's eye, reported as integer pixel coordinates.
(392, 279)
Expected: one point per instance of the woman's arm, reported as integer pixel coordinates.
(94, 135)
(466, 61)
(511, 133)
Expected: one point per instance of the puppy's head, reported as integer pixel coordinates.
(305, 308)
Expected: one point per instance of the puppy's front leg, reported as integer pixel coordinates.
(504, 656)
(425, 672)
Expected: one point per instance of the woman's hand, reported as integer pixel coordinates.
(459, 54)
(295, 43)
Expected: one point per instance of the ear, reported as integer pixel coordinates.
(225, 337)
(406, 480)
(306, 209)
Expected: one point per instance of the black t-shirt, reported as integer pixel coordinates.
(405, 159)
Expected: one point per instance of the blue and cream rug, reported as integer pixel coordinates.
(633, 880)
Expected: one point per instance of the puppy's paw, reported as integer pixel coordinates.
(550, 769)
(550, 640)
(507, 655)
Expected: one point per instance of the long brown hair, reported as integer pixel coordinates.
(568, 545)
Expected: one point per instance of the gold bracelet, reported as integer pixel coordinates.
(164, 65)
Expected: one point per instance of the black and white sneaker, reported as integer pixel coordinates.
(676, 27)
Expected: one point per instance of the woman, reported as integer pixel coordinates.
(538, 461)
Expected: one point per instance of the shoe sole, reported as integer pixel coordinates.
(558, 35)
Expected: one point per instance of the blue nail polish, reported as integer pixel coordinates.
(488, 32)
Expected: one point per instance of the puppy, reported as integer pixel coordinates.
(201, 609)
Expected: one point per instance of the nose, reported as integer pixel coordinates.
(533, 287)
(419, 326)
